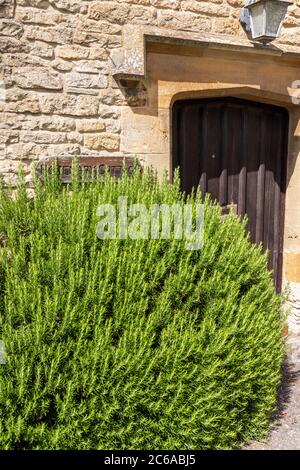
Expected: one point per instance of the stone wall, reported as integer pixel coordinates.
(55, 60)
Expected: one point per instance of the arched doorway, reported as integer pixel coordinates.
(236, 151)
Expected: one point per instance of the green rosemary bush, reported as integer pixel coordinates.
(131, 344)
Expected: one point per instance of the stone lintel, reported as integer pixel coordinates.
(129, 62)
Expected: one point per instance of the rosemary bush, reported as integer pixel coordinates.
(123, 344)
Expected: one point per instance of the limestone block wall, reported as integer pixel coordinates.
(55, 61)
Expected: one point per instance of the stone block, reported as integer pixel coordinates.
(37, 78)
(59, 35)
(70, 6)
(42, 49)
(144, 132)
(102, 142)
(43, 137)
(183, 20)
(61, 65)
(174, 4)
(292, 267)
(12, 45)
(142, 15)
(228, 26)
(72, 52)
(85, 80)
(69, 105)
(11, 28)
(49, 123)
(206, 8)
(98, 26)
(90, 125)
(39, 17)
(21, 102)
(115, 13)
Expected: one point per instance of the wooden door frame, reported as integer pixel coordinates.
(284, 162)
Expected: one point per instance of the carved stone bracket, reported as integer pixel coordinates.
(129, 62)
(7, 8)
(129, 66)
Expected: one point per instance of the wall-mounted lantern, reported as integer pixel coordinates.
(263, 18)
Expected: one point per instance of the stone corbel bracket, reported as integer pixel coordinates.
(129, 66)
(129, 61)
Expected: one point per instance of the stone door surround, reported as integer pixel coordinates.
(171, 66)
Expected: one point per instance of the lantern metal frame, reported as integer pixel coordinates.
(246, 18)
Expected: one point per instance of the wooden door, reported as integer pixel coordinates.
(236, 150)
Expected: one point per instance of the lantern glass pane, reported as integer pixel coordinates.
(257, 18)
(275, 13)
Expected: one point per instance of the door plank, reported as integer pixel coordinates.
(236, 150)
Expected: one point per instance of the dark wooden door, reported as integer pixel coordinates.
(236, 150)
